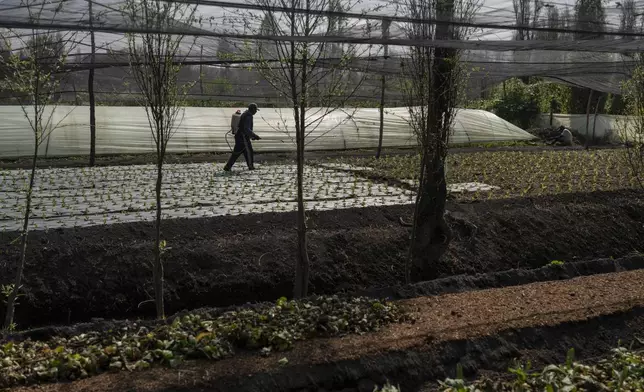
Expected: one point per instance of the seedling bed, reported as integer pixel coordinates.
(107, 195)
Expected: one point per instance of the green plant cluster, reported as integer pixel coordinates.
(521, 103)
(193, 336)
(623, 371)
(387, 388)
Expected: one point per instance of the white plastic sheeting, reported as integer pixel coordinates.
(604, 124)
(125, 130)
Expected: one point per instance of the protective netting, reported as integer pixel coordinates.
(584, 53)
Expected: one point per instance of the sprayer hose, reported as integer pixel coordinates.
(227, 142)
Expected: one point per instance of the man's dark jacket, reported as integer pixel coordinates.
(245, 128)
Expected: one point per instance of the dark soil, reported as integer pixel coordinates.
(508, 278)
(481, 330)
(74, 275)
(452, 284)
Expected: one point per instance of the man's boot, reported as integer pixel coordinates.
(231, 161)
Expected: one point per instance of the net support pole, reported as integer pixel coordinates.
(90, 91)
(595, 117)
(201, 71)
(383, 81)
(590, 98)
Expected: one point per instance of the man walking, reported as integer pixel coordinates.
(243, 137)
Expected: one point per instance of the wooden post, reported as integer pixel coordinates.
(90, 91)
(595, 117)
(385, 34)
(201, 71)
(590, 98)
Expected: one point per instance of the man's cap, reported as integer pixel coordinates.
(253, 106)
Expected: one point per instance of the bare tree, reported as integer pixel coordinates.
(628, 17)
(567, 21)
(155, 64)
(628, 23)
(590, 15)
(305, 78)
(32, 62)
(553, 21)
(431, 90)
(632, 127)
(5, 56)
(526, 14)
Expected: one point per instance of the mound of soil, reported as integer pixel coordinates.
(74, 275)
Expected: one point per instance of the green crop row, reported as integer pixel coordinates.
(518, 173)
(267, 328)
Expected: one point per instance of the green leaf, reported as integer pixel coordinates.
(459, 372)
(203, 335)
(110, 350)
(570, 358)
(7, 347)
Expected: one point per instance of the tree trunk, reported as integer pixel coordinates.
(90, 90)
(299, 112)
(17, 281)
(382, 115)
(430, 233)
(302, 269)
(157, 269)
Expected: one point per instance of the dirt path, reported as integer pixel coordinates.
(141, 159)
(449, 317)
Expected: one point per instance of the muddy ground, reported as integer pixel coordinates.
(74, 275)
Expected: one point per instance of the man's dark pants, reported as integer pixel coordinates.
(242, 146)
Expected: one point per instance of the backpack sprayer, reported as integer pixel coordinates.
(234, 126)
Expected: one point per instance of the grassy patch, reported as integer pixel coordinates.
(519, 173)
(624, 371)
(269, 328)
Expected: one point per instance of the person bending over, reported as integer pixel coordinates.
(563, 139)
